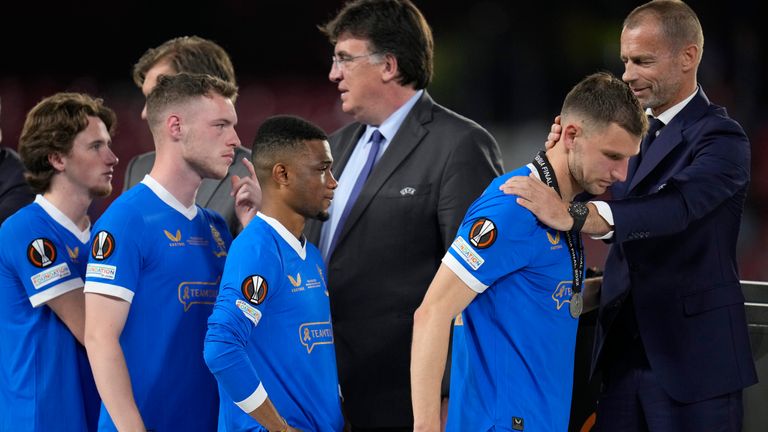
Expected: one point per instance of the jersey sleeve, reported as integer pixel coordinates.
(115, 259)
(40, 259)
(494, 240)
(249, 283)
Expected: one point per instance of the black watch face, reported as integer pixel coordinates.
(578, 209)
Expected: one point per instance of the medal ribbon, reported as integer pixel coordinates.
(575, 245)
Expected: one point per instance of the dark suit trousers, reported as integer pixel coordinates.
(632, 399)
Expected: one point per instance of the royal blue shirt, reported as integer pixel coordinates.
(167, 261)
(45, 381)
(270, 333)
(513, 357)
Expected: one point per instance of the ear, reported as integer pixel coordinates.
(56, 160)
(689, 57)
(173, 124)
(570, 132)
(280, 174)
(391, 71)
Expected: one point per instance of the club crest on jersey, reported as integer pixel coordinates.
(562, 293)
(103, 245)
(322, 279)
(254, 289)
(483, 233)
(221, 247)
(41, 252)
(316, 333)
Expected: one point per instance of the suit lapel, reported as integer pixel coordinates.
(669, 137)
(407, 138)
(344, 150)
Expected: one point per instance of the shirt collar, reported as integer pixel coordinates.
(299, 246)
(63, 220)
(534, 170)
(391, 125)
(669, 114)
(168, 198)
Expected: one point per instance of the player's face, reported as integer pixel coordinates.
(210, 138)
(90, 163)
(150, 80)
(315, 183)
(600, 158)
(359, 80)
(652, 67)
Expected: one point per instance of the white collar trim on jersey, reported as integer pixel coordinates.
(168, 198)
(297, 245)
(63, 220)
(533, 170)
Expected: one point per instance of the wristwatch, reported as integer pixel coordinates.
(579, 212)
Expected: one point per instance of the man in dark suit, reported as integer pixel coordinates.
(193, 54)
(408, 169)
(14, 191)
(671, 337)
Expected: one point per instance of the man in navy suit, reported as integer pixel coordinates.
(671, 338)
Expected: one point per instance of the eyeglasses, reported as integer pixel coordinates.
(342, 62)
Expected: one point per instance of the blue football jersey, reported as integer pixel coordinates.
(167, 261)
(270, 333)
(513, 352)
(45, 380)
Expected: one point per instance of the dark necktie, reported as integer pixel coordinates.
(654, 125)
(376, 139)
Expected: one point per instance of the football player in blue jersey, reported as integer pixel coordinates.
(45, 381)
(155, 265)
(270, 339)
(518, 285)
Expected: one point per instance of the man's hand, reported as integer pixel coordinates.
(247, 193)
(541, 200)
(554, 134)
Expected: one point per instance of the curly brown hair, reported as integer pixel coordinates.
(51, 127)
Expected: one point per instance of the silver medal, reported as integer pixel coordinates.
(577, 305)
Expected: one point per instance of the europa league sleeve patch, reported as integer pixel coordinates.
(254, 289)
(483, 233)
(103, 245)
(41, 252)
